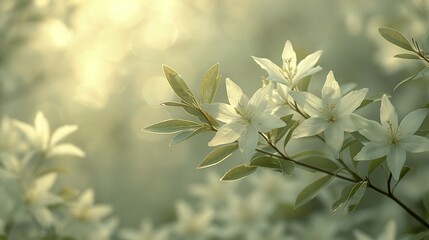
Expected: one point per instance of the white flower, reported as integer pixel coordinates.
(146, 232)
(331, 114)
(389, 233)
(290, 74)
(37, 198)
(84, 209)
(390, 140)
(244, 118)
(193, 225)
(40, 138)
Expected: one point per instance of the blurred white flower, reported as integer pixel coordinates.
(36, 198)
(390, 140)
(290, 74)
(212, 191)
(244, 118)
(389, 233)
(193, 225)
(40, 138)
(331, 114)
(145, 232)
(85, 210)
(103, 230)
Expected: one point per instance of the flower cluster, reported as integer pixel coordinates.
(283, 111)
(32, 207)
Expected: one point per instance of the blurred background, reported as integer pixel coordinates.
(97, 64)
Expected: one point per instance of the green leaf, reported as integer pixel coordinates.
(352, 195)
(371, 99)
(395, 37)
(218, 155)
(172, 126)
(287, 167)
(238, 172)
(317, 159)
(374, 164)
(265, 162)
(344, 198)
(419, 75)
(357, 194)
(312, 190)
(354, 149)
(404, 171)
(210, 84)
(277, 133)
(293, 125)
(422, 133)
(406, 56)
(176, 104)
(426, 201)
(178, 85)
(420, 236)
(182, 136)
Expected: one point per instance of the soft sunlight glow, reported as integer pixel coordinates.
(59, 33)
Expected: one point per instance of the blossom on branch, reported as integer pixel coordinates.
(390, 140)
(331, 114)
(243, 118)
(290, 73)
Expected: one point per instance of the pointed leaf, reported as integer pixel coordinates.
(176, 104)
(374, 164)
(404, 171)
(371, 99)
(419, 75)
(182, 136)
(309, 192)
(238, 172)
(218, 155)
(210, 84)
(287, 167)
(178, 85)
(426, 201)
(172, 126)
(420, 236)
(344, 198)
(357, 194)
(316, 159)
(266, 162)
(406, 56)
(395, 37)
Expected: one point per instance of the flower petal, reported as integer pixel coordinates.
(372, 130)
(306, 66)
(415, 144)
(248, 142)
(266, 122)
(334, 137)
(388, 113)
(221, 111)
(234, 92)
(372, 151)
(310, 127)
(228, 133)
(310, 103)
(261, 96)
(288, 55)
(331, 90)
(351, 101)
(411, 123)
(65, 149)
(274, 71)
(395, 161)
(41, 126)
(62, 132)
(346, 123)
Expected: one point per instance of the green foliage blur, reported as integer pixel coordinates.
(97, 64)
